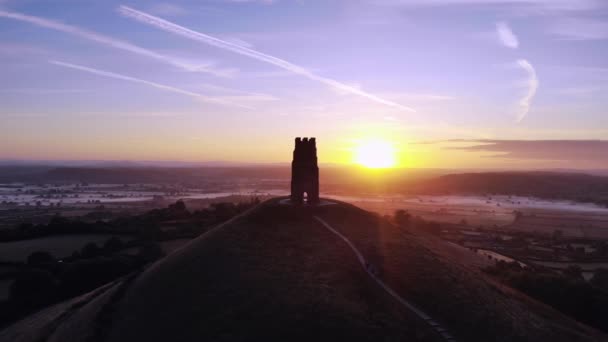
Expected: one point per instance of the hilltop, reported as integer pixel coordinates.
(276, 272)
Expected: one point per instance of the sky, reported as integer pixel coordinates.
(515, 84)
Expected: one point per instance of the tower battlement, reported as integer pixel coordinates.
(305, 171)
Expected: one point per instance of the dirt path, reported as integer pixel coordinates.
(371, 271)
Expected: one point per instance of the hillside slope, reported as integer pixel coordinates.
(276, 273)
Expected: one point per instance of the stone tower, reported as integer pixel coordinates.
(305, 172)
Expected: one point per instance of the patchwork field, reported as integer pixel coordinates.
(571, 224)
(574, 219)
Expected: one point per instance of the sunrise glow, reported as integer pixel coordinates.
(375, 154)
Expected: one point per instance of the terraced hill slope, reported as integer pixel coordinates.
(278, 273)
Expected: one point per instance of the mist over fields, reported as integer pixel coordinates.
(565, 185)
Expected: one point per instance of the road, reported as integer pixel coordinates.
(371, 271)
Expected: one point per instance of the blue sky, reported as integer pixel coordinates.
(94, 80)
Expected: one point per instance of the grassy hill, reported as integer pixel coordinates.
(276, 273)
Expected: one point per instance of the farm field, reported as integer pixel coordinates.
(582, 220)
(571, 224)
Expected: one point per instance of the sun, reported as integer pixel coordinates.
(375, 154)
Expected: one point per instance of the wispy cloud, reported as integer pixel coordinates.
(556, 150)
(532, 85)
(164, 87)
(509, 39)
(506, 36)
(204, 38)
(238, 41)
(111, 42)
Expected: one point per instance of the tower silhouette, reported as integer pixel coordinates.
(305, 172)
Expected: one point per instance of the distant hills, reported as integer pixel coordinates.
(549, 185)
(544, 184)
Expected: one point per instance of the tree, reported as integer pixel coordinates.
(90, 250)
(402, 217)
(40, 258)
(600, 278)
(574, 272)
(224, 210)
(113, 244)
(178, 206)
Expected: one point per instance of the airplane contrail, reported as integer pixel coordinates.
(226, 45)
(148, 83)
(109, 41)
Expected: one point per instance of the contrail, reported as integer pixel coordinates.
(108, 41)
(201, 37)
(148, 83)
(533, 83)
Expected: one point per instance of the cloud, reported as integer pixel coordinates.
(532, 85)
(506, 36)
(238, 41)
(148, 83)
(547, 150)
(201, 37)
(579, 29)
(111, 42)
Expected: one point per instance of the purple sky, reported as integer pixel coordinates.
(237, 80)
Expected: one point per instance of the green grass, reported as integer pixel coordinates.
(472, 306)
(273, 275)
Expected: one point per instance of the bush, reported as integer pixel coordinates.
(40, 258)
(113, 244)
(600, 279)
(402, 217)
(567, 292)
(90, 250)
